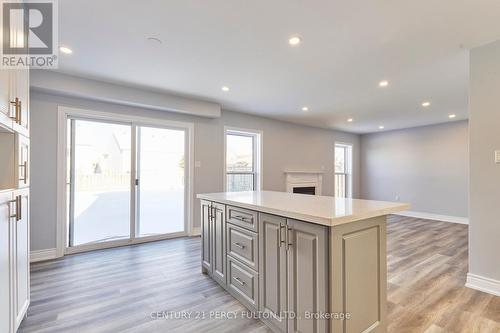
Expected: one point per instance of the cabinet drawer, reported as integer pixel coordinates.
(243, 283)
(243, 245)
(242, 217)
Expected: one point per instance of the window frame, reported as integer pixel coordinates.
(348, 153)
(256, 136)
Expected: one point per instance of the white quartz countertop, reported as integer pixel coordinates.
(323, 210)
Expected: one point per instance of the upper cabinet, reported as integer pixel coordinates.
(14, 100)
(19, 100)
(14, 129)
(6, 118)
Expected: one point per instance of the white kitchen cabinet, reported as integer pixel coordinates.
(5, 92)
(19, 97)
(6, 255)
(14, 100)
(20, 263)
(14, 199)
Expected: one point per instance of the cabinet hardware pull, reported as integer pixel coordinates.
(15, 214)
(241, 218)
(237, 279)
(214, 213)
(19, 120)
(18, 206)
(288, 241)
(25, 167)
(17, 104)
(280, 238)
(239, 245)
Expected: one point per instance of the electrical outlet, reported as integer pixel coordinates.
(497, 156)
(397, 198)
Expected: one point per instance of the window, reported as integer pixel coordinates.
(343, 170)
(242, 160)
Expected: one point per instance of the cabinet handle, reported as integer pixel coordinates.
(288, 241)
(25, 167)
(15, 214)
(17, 116)
(280, 238)
(239, 245)
(20, 114)
(18, 208)
(214, 213)
(237, 279)
(241, 218)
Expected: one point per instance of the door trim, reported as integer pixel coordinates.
(65, 112)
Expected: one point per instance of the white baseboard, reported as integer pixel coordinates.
(484, 284)
(430, 216)
(42, 255)
(195, 232)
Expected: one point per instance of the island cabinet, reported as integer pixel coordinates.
(293, 274)
(302, 263)
(214, 240)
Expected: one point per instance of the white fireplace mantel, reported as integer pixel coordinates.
(297, 178)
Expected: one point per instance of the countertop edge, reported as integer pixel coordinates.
(330, 222)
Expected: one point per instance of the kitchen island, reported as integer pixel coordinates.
(302, 263)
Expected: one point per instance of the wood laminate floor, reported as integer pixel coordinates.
(122, 289)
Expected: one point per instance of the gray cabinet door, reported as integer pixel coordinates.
(219, 243)
(307, 275)
(273, 270)
(206, 239)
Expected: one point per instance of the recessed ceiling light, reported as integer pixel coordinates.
(383, 83)
(426, 104)
(154, 40)
(350, 120)
(381, 127)
(294, 40)
(225, 88)
(305, 109)
(65, 50)
(451, 116)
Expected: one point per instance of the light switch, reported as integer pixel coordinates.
(197, 164)
(497, 156)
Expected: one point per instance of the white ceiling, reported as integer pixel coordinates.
(420, 47)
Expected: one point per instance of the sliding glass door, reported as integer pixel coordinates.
(126, 182)
(161, 170)
(100, 178)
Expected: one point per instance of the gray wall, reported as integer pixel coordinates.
(484, 230)
(285, 146)
(425, 166)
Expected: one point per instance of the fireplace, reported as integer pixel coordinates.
(305, 190)
(305, 182)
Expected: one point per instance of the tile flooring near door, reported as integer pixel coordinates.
(132, 289)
